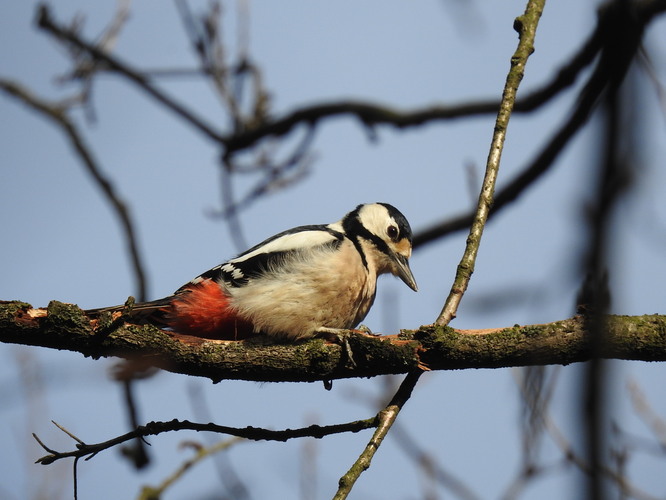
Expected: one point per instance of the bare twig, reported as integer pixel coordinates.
(526, 26)
(46, 22)
(384, 421)
(87, 451)
(586, 103)
(156, 492)
(58, 115)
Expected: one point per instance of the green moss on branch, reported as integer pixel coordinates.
(65, 326)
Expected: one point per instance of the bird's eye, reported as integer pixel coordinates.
(392, 232)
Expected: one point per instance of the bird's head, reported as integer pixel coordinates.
(388, 233)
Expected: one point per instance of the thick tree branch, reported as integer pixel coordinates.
(66, 327)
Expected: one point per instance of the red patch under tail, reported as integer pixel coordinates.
(203, 310)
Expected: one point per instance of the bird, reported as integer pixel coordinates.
(309, 281)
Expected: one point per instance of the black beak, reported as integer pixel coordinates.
(404, 272)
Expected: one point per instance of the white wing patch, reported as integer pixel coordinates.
(269, 255)
(233, 271)
(301, 240)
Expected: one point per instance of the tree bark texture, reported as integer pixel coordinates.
(65, 326)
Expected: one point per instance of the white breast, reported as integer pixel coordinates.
(322, 288)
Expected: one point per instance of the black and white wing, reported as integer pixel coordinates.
(274, 253)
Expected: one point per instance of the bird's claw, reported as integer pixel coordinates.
(338, 336)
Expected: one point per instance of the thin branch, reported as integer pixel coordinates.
(527, 30)
(46, 22)
(63, 430)
(156, 492)
(59, 117)
(586, 103)
(526, 26)
(87, 451)
(384, 419)
(367, 113)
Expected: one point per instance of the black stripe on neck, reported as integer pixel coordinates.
(354, 230)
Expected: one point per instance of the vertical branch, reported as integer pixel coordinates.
(596, 301)
(621, 43)
(526, 26)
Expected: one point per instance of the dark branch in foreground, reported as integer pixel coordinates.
(64, 326)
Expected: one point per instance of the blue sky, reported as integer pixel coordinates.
(61, 240)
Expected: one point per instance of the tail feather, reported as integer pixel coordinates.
(201, 310)
(152, 312)
(204, 310)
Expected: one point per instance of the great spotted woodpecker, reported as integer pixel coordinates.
(299, 283)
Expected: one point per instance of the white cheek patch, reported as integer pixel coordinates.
(376, 219)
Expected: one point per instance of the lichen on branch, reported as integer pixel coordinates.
(66, 327)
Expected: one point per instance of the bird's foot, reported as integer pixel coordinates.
(366, 330)
(338, 336)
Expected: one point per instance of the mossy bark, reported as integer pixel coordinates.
(65, 326)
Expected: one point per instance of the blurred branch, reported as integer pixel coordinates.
(428, 464)
(572, 455)
(58, 115)
(617, 153)
(66, 327)
(202, 452)
(587, 102)
(647, 414)
(261, 126)
(46, 22)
